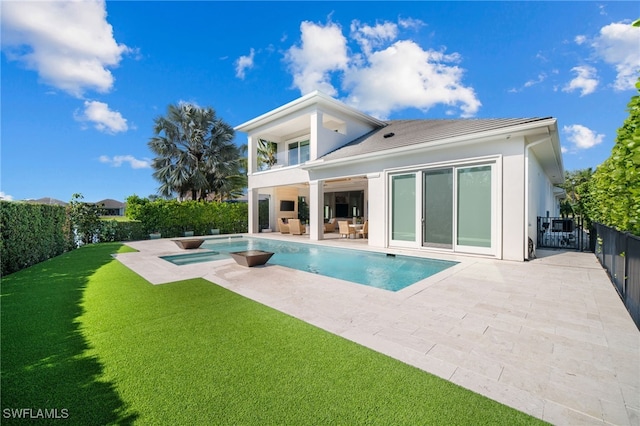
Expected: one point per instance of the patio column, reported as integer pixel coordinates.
(252, 155)
(316, 216)
(252, 199)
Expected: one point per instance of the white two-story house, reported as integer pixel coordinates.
(460, 186)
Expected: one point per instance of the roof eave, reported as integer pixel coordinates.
(473, 137)
(313, 98)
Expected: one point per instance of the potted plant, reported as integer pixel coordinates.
(154, 235)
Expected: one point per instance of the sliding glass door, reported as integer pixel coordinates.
(474, 207)
(457, 209)
(451, 208)
(403, 208)
(437, 223)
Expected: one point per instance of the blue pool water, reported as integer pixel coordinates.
(361, 267)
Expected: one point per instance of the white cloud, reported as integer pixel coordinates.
(322, 50)
(617, 44)
(586, 80)
(387, 75)
(582, 137)
(529, 83)
(243, 63)
(69, 44)
(102, 117)
(541, 77)
(5, 197)
(369, 37)
(580, 39)
(603, 10)
(541, 57)
(118, 160)
(410, 23)
(406, 76)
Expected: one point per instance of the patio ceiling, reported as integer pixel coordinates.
(289, 129)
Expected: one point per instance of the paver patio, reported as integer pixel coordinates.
(549, 337)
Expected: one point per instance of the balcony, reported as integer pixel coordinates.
(273, 155)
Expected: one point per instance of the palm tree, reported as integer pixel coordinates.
(267, 154)
(233, 185)
(195, 154)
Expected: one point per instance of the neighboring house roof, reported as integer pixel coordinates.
(108, 203)
(47, 200)
(404, 133)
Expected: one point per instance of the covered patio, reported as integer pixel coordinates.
(316, 204)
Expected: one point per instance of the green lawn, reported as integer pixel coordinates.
(83, 333)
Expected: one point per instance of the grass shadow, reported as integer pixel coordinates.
(44, 363)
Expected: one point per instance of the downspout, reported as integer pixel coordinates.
(526, 191)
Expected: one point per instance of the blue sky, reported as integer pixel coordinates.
(83, 81)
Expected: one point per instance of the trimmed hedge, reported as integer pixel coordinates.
(112, 230)
(172, 218)
(32, 233)
(614, 193)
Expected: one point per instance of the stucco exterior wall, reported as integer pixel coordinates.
(542, 201)
(508, 155)
(329, 139)
(277, 177)
(513, 201)
(377, 209)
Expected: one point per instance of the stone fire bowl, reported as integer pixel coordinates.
(191, 243)
(251, 257)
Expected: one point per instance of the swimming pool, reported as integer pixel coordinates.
(362, 267)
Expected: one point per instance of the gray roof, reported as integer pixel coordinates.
(110, 203)
(401, 133)
(47, 200)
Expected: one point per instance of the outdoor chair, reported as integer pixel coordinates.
(364, 232)
(283, 226)
(345, 229)
(330, 226)
(295, 227)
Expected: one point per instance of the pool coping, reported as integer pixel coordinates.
(419, 285)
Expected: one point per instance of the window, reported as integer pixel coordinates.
(298, 152)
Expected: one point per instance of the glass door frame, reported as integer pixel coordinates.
(416, 174)
(425, 225)
(491, 250)
(495, 161)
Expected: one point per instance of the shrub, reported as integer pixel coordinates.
(112, 230)
(171, 217)
(615, 191)
(32, 233)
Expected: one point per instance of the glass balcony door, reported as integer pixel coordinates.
(298, 152)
